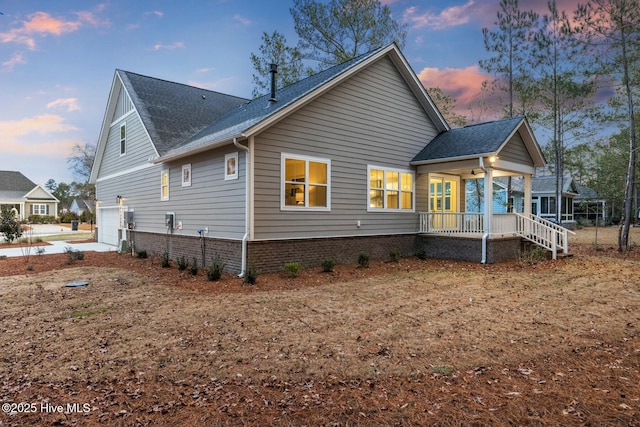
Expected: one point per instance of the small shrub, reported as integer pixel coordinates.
(9, 225)
(363, 260)
(73, 255)
(251, 276)
(214, 272)
(182, 263)
(533, 255)
(164, 260)
(40, 250)
(395, 256)
(327, 265)
(67, 217)
(193, 268)
(30, 268)
(142, 254)
(42, 219)
(292, 268)
(421, 254)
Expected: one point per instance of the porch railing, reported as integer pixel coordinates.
(531, 227)
(544, 233)
(465, 223)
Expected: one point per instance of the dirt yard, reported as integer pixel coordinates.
(409, 343)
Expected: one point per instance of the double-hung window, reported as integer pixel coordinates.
(39, 209)
(123, 139)
(306, 183)
(164, 184)
(390, 189)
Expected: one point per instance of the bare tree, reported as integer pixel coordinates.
(611, 28)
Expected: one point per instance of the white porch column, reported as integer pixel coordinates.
(488, 199)
(527, 194)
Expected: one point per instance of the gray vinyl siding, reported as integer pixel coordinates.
(123, 105)
(371, 119)
(516, 151)
(210, 201)
(138, 151)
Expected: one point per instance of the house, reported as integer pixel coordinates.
(356, 158)
(588, 206)
(26, 198)
(544, 198)
(80, 206)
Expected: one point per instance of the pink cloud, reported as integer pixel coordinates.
(463, 84)
(449, 17)
(43, 24)
(43, 124)
(34, 135)
(71, 104)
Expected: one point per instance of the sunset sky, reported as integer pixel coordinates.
(57, 59)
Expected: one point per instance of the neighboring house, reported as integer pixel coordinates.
(356, 158)
(475, 199)
(543, 198)
(79, 206)
(26, 198)
(589, 206)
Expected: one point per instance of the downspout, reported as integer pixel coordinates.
(243, 267)
(486, 234)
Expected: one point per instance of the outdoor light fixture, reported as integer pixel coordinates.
(118, 199)
(492, 159)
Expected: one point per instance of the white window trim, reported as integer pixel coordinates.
(162, 197)
(307, 159)
(122, 125)
(386, 169)
(41, 207)
(186, 168)
(227, 157)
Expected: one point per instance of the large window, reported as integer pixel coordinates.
(164, 185)
(305, 183)
(390, 189)
(39, 209)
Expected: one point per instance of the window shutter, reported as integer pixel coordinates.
(31, 209)
(47, 210)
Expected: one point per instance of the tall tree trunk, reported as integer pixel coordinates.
(623, 242)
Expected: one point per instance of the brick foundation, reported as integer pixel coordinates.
(270, 255)
(229, 251)
(470, 248)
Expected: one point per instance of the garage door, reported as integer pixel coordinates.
(108, 225)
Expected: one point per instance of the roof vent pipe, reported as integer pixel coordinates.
(273, 71)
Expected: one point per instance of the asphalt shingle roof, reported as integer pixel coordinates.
(173, 112)
(253, 112)
(547, 184)
(15, 181)
(469, 140)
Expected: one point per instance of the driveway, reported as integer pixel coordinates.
(59, 246)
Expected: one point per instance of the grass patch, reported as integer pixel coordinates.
(88, 309)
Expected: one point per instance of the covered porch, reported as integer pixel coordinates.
(480, 154)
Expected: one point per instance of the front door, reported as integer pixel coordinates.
(443, 198)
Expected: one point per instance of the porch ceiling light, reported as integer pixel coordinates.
(492, 159)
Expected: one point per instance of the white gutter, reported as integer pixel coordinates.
(246, 217)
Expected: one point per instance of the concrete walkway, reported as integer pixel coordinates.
(57, 246)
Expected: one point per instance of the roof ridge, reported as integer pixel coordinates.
(178, 83)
